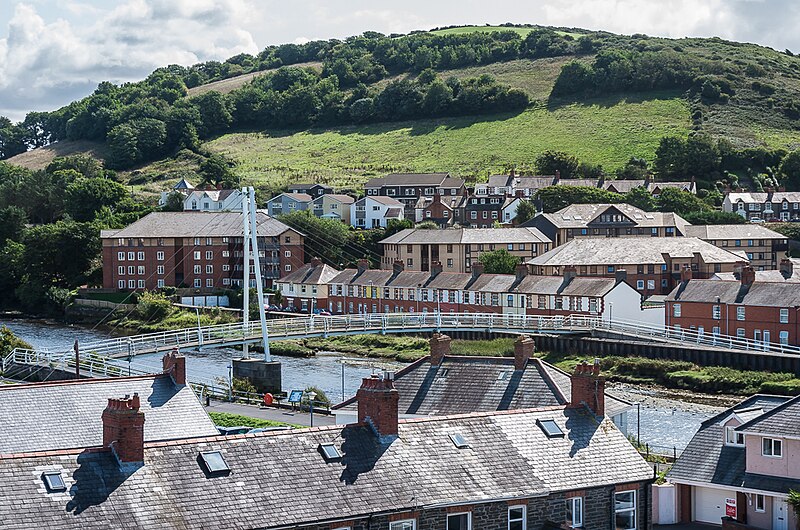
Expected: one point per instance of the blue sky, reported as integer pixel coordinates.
(55, 51)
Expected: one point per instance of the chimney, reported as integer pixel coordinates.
(524, 347)
(558, 177)
(477, 269)
(588, 387)
(123, 429)
(570, 272)
(787, 268)
(521, 271)
(440, 346)
(174, 364)
(737, 268)
(748, 275)
(398, 266)
(620, 275)
(512, 173)
(436, 268)
(316, 262)
(362, 265)
(377, 405)
(686, 273)
(219, 186)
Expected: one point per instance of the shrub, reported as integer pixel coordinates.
(153, 307)
(290, 348)
(790, 387)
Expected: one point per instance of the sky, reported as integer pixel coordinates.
(55, 51)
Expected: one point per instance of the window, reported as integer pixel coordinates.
(640, 284)
(760, 503)
(121, 284)
(197, 283)
(214, 462)
(740, 313)
(131, 256)
(288, 268)
(121, 256)
(329, 452)
(458, 440)
(54, 481)
(140, 269)
(209, 254)
(405, 524)
(771, 447)
(732, 437)
(459, 521)
(141, 284)
(739, 333)
(209, 269)
(131, 284)
(131, 269)
(198, 269)
(651, 284)
(140, 256)
(784, 316)
(121, 270)
(160, 255)
(511, 246)
(715, 312)
(676, 310)
(550, 428)
(575, 512)
(784, 337)
(226, 254)
(160, 283)
(450, 262)
(516, 518)
(197, 255)
(625, 510)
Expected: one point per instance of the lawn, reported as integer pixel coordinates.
(605, 131)
(523, 31)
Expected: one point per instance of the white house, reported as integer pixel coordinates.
(213, 201)
(375, 211)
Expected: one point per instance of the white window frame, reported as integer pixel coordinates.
(456, 514)
(197, 283)
(140, 270)
(784, 316)
(773, 444)
(741, 313)
(732, 437)
(576, 522)
(626, 510)
(160, 269)
(676, 310)
(121, 256)
(131, 284)
(121, 284)
(121, 270)
(762, 501)
(209, 282)
(160, 255)
(140, 256)
(401, 524)
(160, 283)
(140, 284)
(522, 519)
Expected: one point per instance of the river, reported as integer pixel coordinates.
(665, 421)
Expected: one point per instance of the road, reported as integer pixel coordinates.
(274, 414)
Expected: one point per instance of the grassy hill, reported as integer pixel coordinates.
(226, 86)
(40, 158)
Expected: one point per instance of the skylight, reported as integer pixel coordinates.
(578, 217)
(647, 215)
(443, 372)
(329, 452)
(550, 428)
(459, 441)
(54, 481)
(565, 217)
(502, 375)
(214, 462)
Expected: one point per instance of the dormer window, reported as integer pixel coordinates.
(732, 437)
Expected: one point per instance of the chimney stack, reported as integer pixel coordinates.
(588, 387)
(558, 177)
(748, 276)
(570, 272)
(316, 262)
(362, 265)
(521, 271)
(440, 346)
(123, 429)
(377, 405)
(737, 268)
(398, 266)
(620, 275)
(174, 364)
(686, 273)
(477, 269)
(787, 268)
(524, 347)
(436, 268)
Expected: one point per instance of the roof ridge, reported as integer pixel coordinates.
(788, 403)
(65, 382)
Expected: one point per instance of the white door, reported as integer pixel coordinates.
(780, 514)
(709, 504)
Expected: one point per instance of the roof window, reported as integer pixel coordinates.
(550, 428)
(54, 481)
(459, 441)
(502, 375)
(443, 372)
(329, 452)
(214, 463)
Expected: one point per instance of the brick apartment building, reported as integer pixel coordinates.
(458, 249)
(764, 247)
(199, 250)
(651, 265)
(747, 308)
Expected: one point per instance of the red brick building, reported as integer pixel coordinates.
(762, 311)
(200, 250)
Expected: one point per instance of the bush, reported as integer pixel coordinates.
(290, 348)
(153, 307)
(226, 419)
(790, 387)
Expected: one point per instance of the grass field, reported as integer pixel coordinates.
(40, 158)
(607, 132)
(229, 85)
(488, 29)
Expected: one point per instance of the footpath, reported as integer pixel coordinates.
(270, 413)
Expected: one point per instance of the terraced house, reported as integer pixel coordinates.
(408, 188)
(764, 206)
(763, 247)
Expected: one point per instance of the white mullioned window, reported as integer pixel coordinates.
(575, 512)
(625, 510)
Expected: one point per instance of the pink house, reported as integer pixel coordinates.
(741, 465)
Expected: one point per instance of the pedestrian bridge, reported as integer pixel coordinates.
(96, 355)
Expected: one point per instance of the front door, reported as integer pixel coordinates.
(780, 514)
(766, 339)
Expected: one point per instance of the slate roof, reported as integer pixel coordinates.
(380, 199)
(450, 280)
(467, 236)
(767, 294)
(463, 384)
(67, 414)
(493, 283)
(741, 231)
(782, 421)
(410, 279)
(761, 197)
(408, 179)
(311, 274)
(631, 251)
(623, 185)
(344, 199)
(393, 212)
(274, 473)
(762, 276)
(197, 224)
(581, 215)
(708, 460)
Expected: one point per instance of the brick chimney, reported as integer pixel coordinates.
(123, 429)
(316, 262)
(436, 269)
(398, 266)
(440, 346)
(748, 275)
(524, 347)
(362, 265)
(174, 364)
(570, 272)
(787, 268)
(521, 271)
(588, 387)
(737, 268)
(686, 273)
(620, 275)
(477, 269)
(377, 405)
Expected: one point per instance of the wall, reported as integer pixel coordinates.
(786, 466)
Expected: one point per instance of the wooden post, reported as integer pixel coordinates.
(77, 360)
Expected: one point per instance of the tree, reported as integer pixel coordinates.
(60, 254)
(681, 202)
(12, 223)
(525, 212)
(325, 238)
(85, 197)
(549, 162)
(498, 262)
(641, 198)
(554, 198)
(789, 169)
(217, 170)
(437, 99)
(794, 496)
(174, 202)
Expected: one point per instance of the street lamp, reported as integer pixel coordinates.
(311, 395)
(610, 312)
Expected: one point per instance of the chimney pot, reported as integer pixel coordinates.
(362, 265)
(524, 348)
(588, 387)
(436, 268)
(440, 346)
(377, 406)
(686, 273)
(123, 429)
(398, 266)
(174, 364)
(477, 269)
(620, 275)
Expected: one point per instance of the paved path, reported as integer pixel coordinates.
(274, 414)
